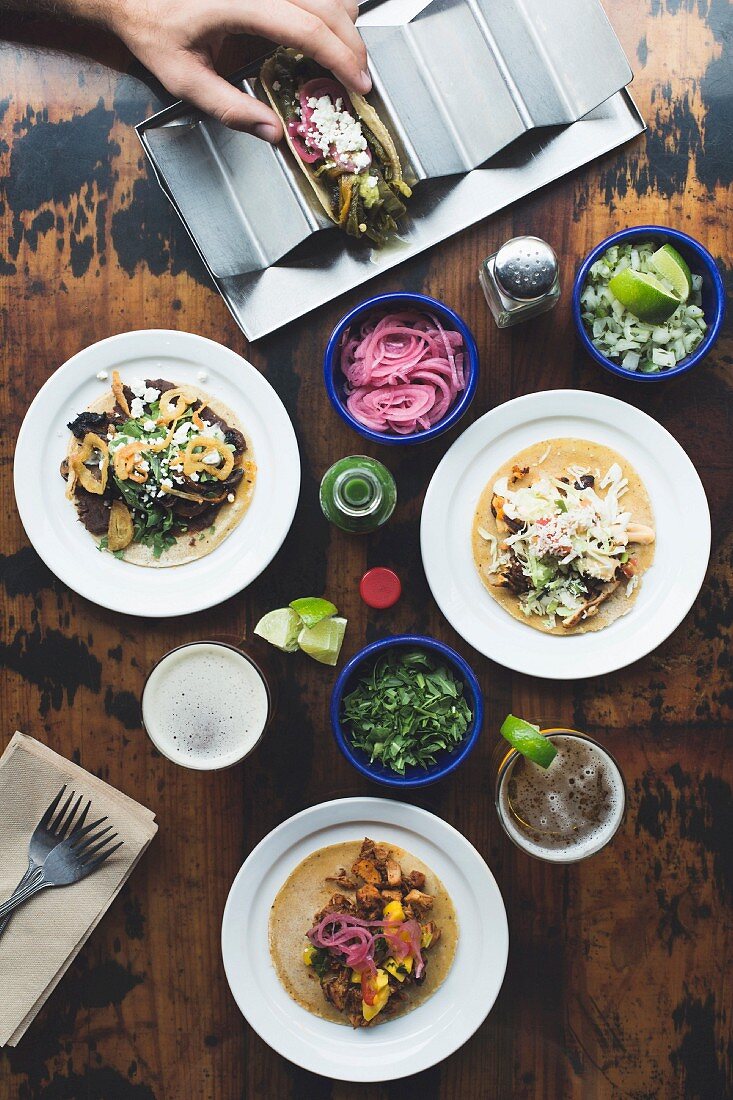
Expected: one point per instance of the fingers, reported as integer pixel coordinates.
(197, 83)
(303, 28)
(338, 18)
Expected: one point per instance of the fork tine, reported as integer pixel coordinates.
(80, 849)
(79, 834)
(70, 818)
(52, 808)
(89, 867)
(81, 818)
(90, 853)
(55, 825)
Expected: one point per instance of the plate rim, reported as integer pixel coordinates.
(162, 341)
(363, 804)
(493, 417)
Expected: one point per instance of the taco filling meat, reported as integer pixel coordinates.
(152, 468)
(564, 540)
(370, 948)
(342, 145)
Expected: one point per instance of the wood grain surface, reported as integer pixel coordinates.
(618, 982)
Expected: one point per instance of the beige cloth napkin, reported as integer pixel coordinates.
(45, 935)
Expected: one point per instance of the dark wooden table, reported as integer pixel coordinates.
(617, 983)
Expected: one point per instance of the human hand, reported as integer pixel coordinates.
(179, 43)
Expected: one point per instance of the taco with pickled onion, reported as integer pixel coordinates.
(362, 932)
(563, 534)
(341, 144)
(159, 473)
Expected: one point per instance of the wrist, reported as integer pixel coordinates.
(107, 13)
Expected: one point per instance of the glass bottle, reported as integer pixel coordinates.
(358, 494)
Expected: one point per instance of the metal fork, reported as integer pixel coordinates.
(50, 830)
(71, 859)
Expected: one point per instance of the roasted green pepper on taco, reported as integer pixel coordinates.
(342, 145)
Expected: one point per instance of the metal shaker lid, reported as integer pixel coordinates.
(525, 267)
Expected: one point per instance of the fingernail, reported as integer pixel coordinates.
(266, 131)
(365, 81)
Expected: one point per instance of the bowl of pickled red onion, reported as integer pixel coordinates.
(401, 368)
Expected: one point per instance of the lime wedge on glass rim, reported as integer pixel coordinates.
(671, 266)
(312, 609)
(527, 739)
(644, 296)
(281, 628)
(323, 641)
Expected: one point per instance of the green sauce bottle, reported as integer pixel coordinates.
(358, 494)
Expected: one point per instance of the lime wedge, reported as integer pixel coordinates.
(644, 295)
(527, 739)
(670, 265)
(323, 641)
(312, 609)
(281, 629)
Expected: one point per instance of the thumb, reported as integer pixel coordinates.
(204, 88)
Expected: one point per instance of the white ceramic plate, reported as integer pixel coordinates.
(50, 520)
(410, 1043)
(668, 588)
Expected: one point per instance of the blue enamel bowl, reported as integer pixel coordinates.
(447, 762)
(335, 381)
(700, 263)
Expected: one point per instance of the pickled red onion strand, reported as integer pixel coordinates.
(403, 371)
(351, 939)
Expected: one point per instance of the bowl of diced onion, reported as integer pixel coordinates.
(684, 296)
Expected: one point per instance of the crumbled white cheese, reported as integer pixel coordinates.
(213, 458)
(151, 394)
(138, 387)
(202, 375)
(143, 466)
(149, 426)
(166, 483)
(194, 476)
(372, 181)
(137, 407)
(230, 497)
(331, 127)
(213, 430)
(180, 435)
(102, 376)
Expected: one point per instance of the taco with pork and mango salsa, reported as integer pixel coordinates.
(562, 535)
(159, 473)
(377, 947)
(341, 144)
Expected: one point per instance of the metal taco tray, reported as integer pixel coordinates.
(255, 220)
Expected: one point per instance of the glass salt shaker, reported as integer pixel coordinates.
(521, 280)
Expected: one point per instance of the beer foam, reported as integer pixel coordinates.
(556, 799)
(205, 705)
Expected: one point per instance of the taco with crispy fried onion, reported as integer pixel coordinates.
(341, 144)
(159, 473)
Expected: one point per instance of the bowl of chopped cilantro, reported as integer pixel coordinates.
(406, 710)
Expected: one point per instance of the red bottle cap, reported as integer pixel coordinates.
(380, 587)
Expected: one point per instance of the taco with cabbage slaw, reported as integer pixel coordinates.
(562, 535)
